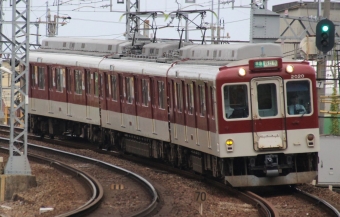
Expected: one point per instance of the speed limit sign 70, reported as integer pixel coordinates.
(200, 196)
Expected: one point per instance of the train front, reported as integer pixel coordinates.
(268, 122)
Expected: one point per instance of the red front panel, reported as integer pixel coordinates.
(230, 76)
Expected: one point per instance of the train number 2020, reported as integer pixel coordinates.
(297, 76)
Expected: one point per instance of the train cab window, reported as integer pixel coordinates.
(161, 103)
(190, 98)
(145, 92)
(114, 87)
(88, 82)
(129, 89)
(298, 97)
(178, 97)
(202, 100)
(236, 101)
(41, 78)
(78, 79)
(60, 79)
(96, 84)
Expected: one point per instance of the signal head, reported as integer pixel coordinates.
(325, 35)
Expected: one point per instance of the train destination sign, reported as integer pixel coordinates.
(265, 63)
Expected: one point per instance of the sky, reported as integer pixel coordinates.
(95, 18)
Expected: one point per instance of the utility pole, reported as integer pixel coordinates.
(128, 10)
(321, 68)
(17, 163)
(1, 20)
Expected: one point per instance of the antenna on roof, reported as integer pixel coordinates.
(262, 52)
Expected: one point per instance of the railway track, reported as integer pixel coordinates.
(94, 188)
(277, 195)
(264, 207)
(98, 190)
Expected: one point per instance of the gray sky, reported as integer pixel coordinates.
(93, 19)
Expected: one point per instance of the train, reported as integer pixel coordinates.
(240, 113)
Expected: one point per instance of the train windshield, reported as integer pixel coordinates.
(298, 97)
(236, 101)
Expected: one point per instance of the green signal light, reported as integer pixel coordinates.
(325, 28)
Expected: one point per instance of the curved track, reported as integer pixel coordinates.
(95, 187)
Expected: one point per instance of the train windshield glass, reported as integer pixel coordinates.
(267, 99)
(298, 97)
(236, 101)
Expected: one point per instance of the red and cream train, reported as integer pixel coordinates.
(221, 110)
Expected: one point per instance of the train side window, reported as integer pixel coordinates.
(114, 87)
(108, 85)
(190, 98)
(202, 100)
(50, 78)
(69, 81)
(178, 97)
(212, 97)
(41, 77)
(96, 84)
(145, 92)
(59, 79)
(298, 95)
(78, 79)
(236, 101)
(33, 78)
(129, 89)
(161, 103)
(88, 82)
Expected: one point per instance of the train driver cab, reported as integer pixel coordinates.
(298, 98)
(236, 101)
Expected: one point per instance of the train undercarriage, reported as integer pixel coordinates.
(263, 166)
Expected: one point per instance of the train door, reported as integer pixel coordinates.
(268, 113)
(88, 91)
(50, 87)
(179, 111)
(202, 115)
(190, 112)
(144, 106)
(128, 107)
(69, 91)
(113, 100)
(153, 102)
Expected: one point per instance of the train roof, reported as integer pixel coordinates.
(165, 52)
(197, 72)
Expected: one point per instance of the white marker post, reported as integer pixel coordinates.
(200, 196)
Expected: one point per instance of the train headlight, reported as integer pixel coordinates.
(241, 72)
(230, 145)
(289, 69)
(310, 140)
